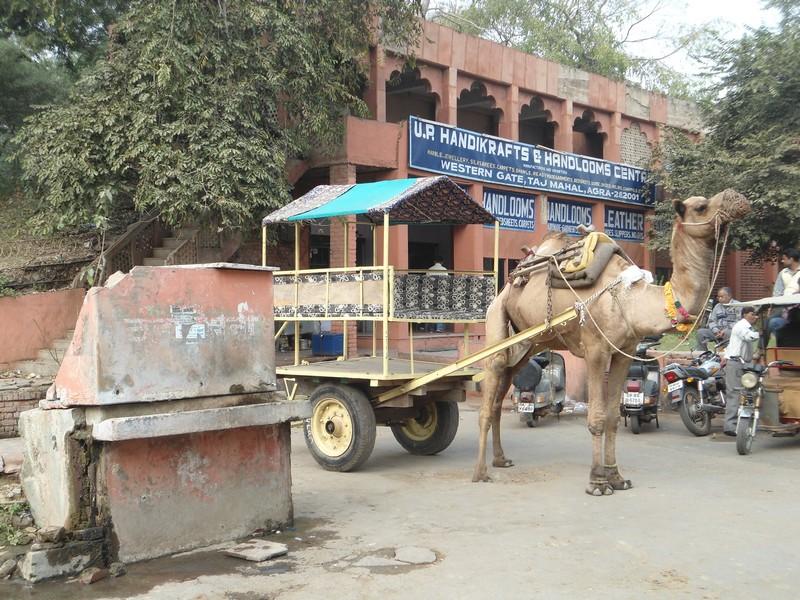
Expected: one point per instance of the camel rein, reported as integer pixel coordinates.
(583, 305)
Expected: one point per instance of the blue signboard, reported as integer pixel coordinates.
(566, 215)
(458, 152)
(514, 210)
(624, 224)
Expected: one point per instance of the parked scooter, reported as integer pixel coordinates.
(639, 401)
(540, 388)
(697, 391)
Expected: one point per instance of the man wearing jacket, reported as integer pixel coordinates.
(720, 321)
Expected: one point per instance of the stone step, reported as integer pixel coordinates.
(61, 345)
(40, 367)
(171, 242)
(154, 262)
(162, 252)
(51, 354)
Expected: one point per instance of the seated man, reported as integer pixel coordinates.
(787, 283)
(720, 321)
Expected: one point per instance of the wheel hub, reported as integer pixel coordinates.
(331, 427)
(423, 426)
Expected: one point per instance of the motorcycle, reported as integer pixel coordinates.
(697, 391)
(540, 388)
(639, 400)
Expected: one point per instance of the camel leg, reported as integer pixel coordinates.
(616, 379)
(596, 361)
(497, 410)
(495, 372)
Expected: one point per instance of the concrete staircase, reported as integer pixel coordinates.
(168, 245)
(47, 361)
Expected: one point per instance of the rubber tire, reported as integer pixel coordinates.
(362, 416)
(441, 437)
(636, 426)
(702, 429)
(531, 420)
(744, 441)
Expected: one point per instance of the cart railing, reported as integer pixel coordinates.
(359, 293)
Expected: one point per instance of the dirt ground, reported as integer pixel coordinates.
(701, 522)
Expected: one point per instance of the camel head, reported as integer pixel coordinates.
(699, 215)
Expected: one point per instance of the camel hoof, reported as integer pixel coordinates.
(502, 463)
(624, 484)
(481, 477)
(599, 489)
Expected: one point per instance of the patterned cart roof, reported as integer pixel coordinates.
(418, 200)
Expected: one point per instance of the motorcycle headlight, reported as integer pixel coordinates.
(749, 380)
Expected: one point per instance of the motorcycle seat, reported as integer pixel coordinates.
(697, 372)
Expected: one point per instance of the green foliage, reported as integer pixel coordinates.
(594, 35)
(753, 142)
(10, 535)
(75, 32)
(23, 84)
(199, 104)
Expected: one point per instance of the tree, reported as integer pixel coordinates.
(23, 83)
(599, 36)
(74, 32)
(198, 105)
(753, 138)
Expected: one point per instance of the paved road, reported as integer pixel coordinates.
(701, 522)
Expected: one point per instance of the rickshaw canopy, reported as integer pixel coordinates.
(771, 301)
(415, 200)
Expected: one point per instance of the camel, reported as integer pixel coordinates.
(624, 314)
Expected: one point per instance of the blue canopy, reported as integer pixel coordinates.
(415, 200)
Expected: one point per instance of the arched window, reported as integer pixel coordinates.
(407, 94)
(477, 111)
(535, 126)
(587, 137)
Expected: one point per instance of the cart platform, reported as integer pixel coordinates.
(371, 368)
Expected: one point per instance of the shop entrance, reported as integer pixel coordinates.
(428, 244)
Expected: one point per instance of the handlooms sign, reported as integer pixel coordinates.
(514, 210)
(566, 215)
(452, 151)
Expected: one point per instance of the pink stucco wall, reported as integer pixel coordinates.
(34, 321)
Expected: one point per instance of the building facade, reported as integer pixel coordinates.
(461, 81)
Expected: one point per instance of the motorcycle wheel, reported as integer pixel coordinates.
(745, 432)
(636, 425)
(696, 421)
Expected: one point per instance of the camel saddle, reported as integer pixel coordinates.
(580, 263)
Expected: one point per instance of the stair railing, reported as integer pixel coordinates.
(184, 253)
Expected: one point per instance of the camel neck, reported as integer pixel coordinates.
(692, 261)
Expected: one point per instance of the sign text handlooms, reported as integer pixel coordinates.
(458, 152)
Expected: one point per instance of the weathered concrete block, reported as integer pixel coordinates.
(175, 493)
(52, 465)
(195, 421)
(70, 559)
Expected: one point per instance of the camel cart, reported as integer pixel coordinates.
(351, 395)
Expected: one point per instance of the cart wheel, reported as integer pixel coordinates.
(431, 431)
(341, 430)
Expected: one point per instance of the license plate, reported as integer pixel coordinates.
(675, 385)
(526, 407)
(633, 398)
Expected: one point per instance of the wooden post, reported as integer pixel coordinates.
(344, 264)
(411, 345)
(496, 257)
(296, 298)
(374, 264)
(263, 245)
(385, 294)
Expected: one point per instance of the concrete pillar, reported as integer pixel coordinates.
(563, 138)
(375, 96)
(341, 175)
(447, 111)
(612, 149)
(509, 126)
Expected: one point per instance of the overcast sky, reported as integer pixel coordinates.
(731, 16)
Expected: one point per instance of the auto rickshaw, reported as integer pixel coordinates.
(770, 396)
